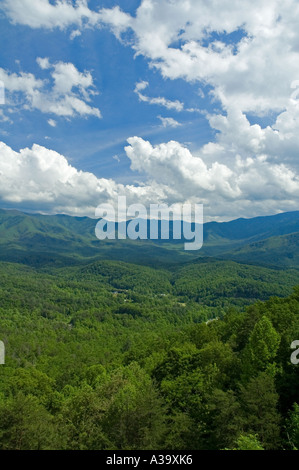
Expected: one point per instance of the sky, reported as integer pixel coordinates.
(169, 101)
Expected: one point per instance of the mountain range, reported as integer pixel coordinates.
(61, 239)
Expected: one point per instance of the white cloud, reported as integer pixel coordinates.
(52, 123)
(188, 40)
(247, 54)
(43, 180)
(160, 101)
(43, 14)
(44, 63)
(116, 19)
(63, 14)
(68, 97)
(169, 122)
(74, 34)
(253, 72)
(244, 186)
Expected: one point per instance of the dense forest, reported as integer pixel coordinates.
(113, 355)
(149, 229)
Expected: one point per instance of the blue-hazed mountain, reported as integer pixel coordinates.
(60, 239)
(244, 231)
(274, 251)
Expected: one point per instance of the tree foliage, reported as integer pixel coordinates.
(113, 356)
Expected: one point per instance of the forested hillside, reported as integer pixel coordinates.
(59, 240)
(113, 355)
(149, 228)
(274, 251)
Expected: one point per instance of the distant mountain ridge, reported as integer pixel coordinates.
(272, 240)
(274, 251)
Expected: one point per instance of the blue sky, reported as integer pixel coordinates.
(91, 143)
(202, 92)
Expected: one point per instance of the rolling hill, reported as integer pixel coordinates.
(274, 251)
(59, 240)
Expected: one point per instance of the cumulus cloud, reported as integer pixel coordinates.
(186, 39)
(242, 186)
(43, 14)
(173, 163)
(246, 56)
(116, 19)
(43, 180)
(251, 70)
(69, 95)
(63, 14)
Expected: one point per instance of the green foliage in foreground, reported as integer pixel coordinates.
(116, 356)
